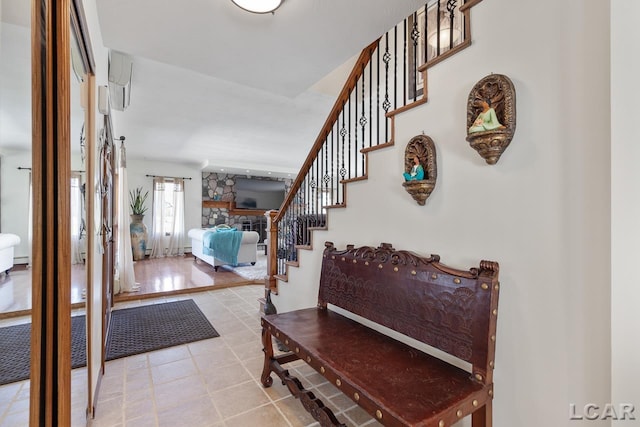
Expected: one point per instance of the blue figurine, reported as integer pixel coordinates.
(417, 172)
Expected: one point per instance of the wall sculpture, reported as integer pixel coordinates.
(491, 116)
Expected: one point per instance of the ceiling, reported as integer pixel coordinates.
(214, 86)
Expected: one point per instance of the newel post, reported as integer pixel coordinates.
(272, 251)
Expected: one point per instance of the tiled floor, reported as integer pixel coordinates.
(213, 382)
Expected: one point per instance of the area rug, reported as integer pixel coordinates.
(133, 331)
(247, 271)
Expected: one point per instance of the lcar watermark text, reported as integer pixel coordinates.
(608, 411)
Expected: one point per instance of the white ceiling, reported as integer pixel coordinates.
(217, 87)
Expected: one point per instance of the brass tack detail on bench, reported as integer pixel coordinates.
(379, 414)
(493, 338)
(495, 311)
(491, 363)
(343, 258)
(456, 281)
(484, 286)
(441, 423)
(379, 265)
(475, 403)
(459, 413)
(297, 349)
(395, 269)
(322, 369)
(356, 396)
(338, 382)
(496, 287)
(434, 276)
(479, 377)
(308, 359)
(491, 393)
(366, 263)
(355, 261)
(413, 272)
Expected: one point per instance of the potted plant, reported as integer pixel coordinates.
(137, 228)
(137, 199)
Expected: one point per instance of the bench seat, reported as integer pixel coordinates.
(453, 311)
(386, 374)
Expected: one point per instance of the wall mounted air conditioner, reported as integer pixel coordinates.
(120, 70)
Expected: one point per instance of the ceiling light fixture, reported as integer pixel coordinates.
(258, 6)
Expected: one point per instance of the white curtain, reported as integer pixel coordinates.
(30, 230)
(77, 219)
(157, 215)
(125, 279)
(176, 240)
(167, 233)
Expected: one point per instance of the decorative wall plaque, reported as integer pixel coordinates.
(491, 116)
(420, 167)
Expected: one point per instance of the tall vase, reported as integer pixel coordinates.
(138, 237)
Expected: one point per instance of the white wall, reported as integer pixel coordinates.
(137, 169)
(14, 199)
(625, 206)
(541, 212)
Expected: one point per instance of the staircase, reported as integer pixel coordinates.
(388, 78)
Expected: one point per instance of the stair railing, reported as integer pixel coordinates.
(389, 77)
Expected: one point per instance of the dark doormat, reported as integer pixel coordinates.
(133, 331)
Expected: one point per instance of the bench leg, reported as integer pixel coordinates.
(483, 416)
(267, 348)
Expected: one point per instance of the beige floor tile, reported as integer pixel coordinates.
(166, 355)
(240, 398)
(254, 366)
(215, 360)
(18, 419)
(206, 346)
(173, 370)
(264, 416)
(248, 350)
(226, 377)
(133, 410)
(173, 393)
(294, 411)
(144, 421)
(195, 413)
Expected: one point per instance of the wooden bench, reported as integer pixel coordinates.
(452, 310)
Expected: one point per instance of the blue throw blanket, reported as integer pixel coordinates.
(223, 245)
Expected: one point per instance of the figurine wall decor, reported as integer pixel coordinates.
(420, 167)
(491, 116)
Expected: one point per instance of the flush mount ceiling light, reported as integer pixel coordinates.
(258, 6)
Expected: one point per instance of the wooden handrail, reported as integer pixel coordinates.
(352, 81)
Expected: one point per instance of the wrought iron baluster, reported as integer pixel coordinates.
(378, 94)
(415, 35)
(405, 58)
(371, 103)
(451, 7)
(343, 171)
(349, 139)
(363, 121)
(425, 38)
(395, 67)
(438, 30)
(387, 103)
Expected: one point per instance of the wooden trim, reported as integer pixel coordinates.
(91, 235)
(352, 80)
(220, 204)
(407, 107)
(50, 396)
(446, 55)
(377, 147)
(231, 207)
(469, 4)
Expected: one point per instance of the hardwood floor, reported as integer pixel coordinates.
(155, 277)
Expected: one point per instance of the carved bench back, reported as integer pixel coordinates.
(452, 310)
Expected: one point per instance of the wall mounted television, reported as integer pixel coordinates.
(259, 194)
